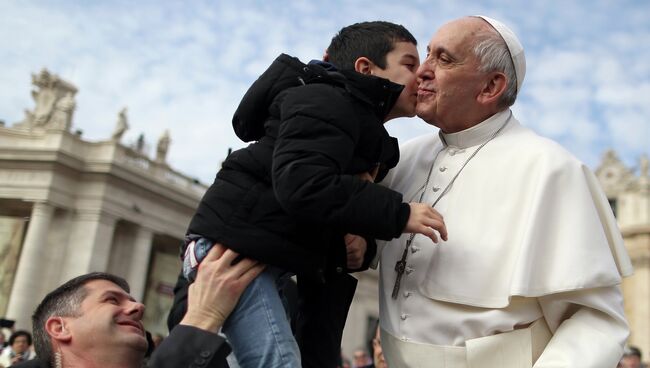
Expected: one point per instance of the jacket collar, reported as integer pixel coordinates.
(380, 93)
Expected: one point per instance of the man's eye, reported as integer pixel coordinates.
(410, 66)
(443, 59)
(112, 300)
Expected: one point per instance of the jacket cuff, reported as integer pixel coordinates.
(402, 218)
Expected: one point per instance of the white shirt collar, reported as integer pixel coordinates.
(476, 134)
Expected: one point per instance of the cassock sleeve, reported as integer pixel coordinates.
(188, 346)
(589, 328)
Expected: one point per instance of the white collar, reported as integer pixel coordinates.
(477, 134)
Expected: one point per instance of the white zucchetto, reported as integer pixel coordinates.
(514, 46)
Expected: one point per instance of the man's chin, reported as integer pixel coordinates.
(426, 116)
(139, 343)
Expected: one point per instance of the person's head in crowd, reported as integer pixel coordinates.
(382, 49)
(474, 68)
(20, 341)
(157, 339)
(377, 352)
(360, 358)
(90, 320)
(631, 357)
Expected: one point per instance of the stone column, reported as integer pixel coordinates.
(26, 290)
(90, 243)
(139, 263)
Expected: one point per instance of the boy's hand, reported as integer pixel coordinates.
(424, 220)
(355, 246)
(217, 288)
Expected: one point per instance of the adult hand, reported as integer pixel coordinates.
(217, 288)
(424, 220)
(355, 247)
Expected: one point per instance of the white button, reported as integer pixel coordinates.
(414, 249)
(407, 294)
(442, 169)
(435, 189)
(404, 317)
(452, 152)
(409, 270)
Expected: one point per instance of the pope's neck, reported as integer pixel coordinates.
(476, 134)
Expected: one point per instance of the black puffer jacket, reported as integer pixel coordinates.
(288, 198)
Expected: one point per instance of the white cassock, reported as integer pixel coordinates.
(531, 238)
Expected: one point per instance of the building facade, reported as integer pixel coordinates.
(69, 206)
(629, 195)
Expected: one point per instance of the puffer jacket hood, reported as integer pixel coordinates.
(288, 72)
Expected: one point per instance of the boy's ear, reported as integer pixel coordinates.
(363, 65)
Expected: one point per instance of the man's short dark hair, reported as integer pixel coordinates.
(64, 301)
(18, 334)
(373, 40)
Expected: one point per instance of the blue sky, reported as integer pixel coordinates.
(183, 66)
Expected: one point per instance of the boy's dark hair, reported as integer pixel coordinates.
(370, 39)
(64, 301)
(18, 334)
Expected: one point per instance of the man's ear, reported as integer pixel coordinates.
(363, 65)
(494, 87)
(56, 328)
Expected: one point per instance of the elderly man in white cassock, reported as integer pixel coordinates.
(530, 275)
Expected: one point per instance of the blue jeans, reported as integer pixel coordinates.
(258, 328)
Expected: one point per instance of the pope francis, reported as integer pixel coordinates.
(530, 275)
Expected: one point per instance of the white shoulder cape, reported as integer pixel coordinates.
(525, 218)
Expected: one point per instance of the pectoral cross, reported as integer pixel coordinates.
(400, 266)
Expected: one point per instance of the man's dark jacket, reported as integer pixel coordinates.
(288, 198)
(186, 346)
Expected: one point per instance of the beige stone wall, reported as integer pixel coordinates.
(636, 290)
(11, 236)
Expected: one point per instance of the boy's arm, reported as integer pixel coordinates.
(316, 142)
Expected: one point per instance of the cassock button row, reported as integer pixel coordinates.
(435, 189)
(404, 316)
(407, 294)
(443, 168)
(414, 249)
(409, 270)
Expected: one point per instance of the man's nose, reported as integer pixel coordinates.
(424, 72)
(136, 308)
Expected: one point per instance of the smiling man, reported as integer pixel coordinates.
(530, 273)
(92, 320)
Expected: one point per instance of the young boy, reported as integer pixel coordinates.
(288, 199)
